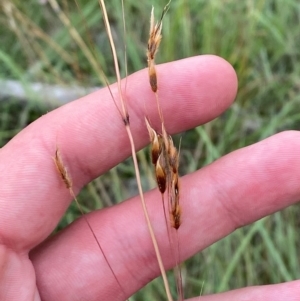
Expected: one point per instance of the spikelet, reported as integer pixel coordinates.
(153, 45)
(161, 174)
(155, 143)
(174, 191)
(62, 169)
(175, 209)
(166, 161)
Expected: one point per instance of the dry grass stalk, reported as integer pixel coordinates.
(125, 117)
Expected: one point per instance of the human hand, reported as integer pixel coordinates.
(234, 191)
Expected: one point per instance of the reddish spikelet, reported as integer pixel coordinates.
(161, 174)
(165, 159)
(62, 169)
(155, 143)
(153, 45)
(175, 209)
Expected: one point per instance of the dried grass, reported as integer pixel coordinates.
(164, 154)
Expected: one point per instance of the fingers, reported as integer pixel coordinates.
(91, 137)
(236, 190)
(276, 292)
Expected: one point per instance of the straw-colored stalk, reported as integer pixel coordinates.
(125, 117)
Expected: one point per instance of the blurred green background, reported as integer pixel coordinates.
(64, 48)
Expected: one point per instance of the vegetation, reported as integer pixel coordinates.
(261, 39)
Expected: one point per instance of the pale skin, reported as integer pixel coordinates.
(234, 191)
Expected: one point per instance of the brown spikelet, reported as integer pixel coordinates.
(176, 210)
(173, 157)
(154, 36)
(176, 217)
(155, 144)
(161, 175)
(153, 45)
(174, 162)
(152, 76)
(165, 159)
(62, 169)
(175, 186)
(156, 148)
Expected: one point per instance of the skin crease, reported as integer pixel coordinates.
(239, 189)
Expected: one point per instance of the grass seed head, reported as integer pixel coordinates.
(156, 149)
(62, 170)
(153, 45)
(154, 36)
(165, 159)
(155, 142)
